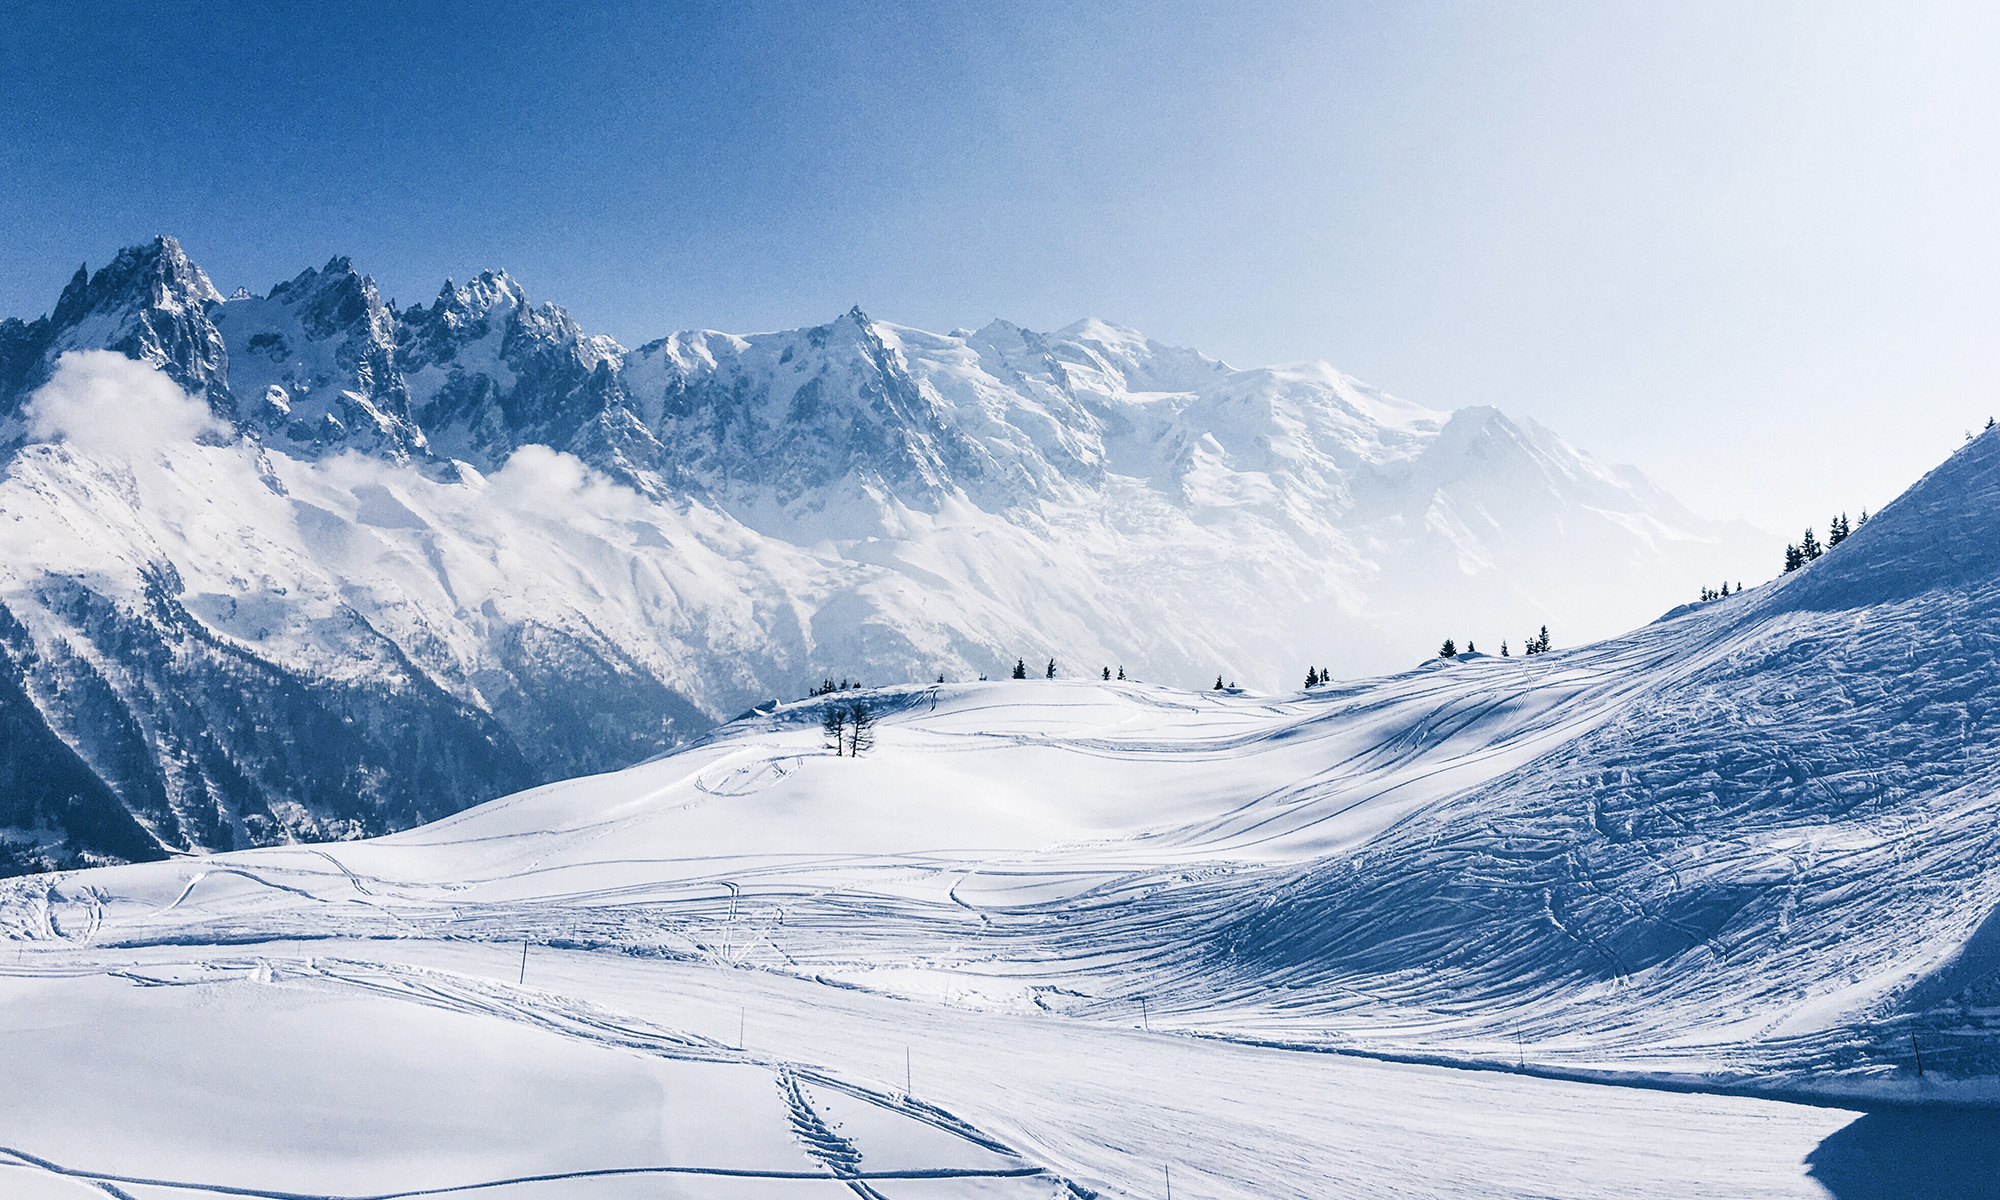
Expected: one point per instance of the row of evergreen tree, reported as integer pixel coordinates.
(1315, 676)
(1809, 548)
(1021, 669)
(1538, 644)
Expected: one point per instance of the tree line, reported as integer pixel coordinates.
(1808, 548)
(1538, 643)
(849, 719)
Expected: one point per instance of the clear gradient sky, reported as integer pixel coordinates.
(1750, 247)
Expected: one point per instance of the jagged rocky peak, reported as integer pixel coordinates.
(799, 411)
(460, 314)
(494, 305)
(157, 275)
(489, 321)
(432, 336)
(149, 303)
(337, 299)
(313, 365)
(1006, 415)
(488, 373)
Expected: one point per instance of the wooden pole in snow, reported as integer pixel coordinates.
(524, 963)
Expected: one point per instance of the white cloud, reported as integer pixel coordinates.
(536, 478)
(104, 403)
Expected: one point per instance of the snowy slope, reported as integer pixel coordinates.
(472, 536)
(1390, 937)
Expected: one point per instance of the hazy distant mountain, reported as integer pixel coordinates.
(390, 562)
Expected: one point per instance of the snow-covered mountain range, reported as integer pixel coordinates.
(1069, 938)
(309, 565)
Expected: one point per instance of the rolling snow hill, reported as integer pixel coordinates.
(1391, 937)
(310, 566)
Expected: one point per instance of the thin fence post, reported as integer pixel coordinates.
(524, 963)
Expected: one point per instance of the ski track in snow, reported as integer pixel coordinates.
(839, 1158)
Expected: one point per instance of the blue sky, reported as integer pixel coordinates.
(1750, 248)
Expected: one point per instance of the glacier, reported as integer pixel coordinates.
(419, 557)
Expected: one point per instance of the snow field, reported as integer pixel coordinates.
(1391, 938)
(341, 1067)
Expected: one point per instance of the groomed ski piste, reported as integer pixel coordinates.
(1697, 911)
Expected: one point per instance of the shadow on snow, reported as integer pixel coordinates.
(1911, 1154)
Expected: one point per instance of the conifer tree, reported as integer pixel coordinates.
(1107, 674)
(1448, 650)
(834, 726)
(1809, 547)
(1863, 520)
(1503, 648)
(1837, 531)
(1794, 558)
(1218, 683)
(1312, 677)
(1020, 668)
(1052, 669)
(860, 731)
(1470, 648)
(1121, 672)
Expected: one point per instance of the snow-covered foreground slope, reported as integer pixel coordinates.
(1588, 923)
(382, 1067)
(264, 553)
